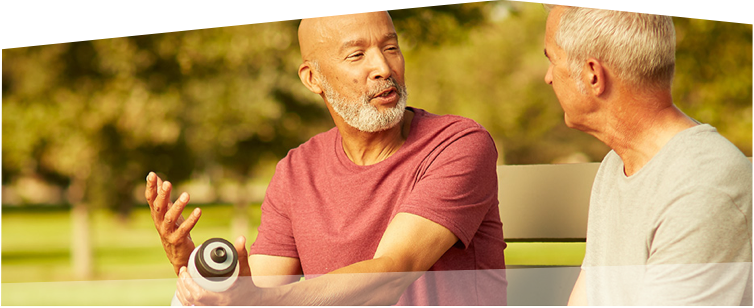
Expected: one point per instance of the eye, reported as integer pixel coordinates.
(392, 48)
(355, 56)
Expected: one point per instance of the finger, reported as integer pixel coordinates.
(179, 294)
(192, 291)
(162, 201)
(152, 191)
(180, 288)
(158, 182)
(151, 188)
(243, 256)
(189, 223)
(175, 211)
(180, 219)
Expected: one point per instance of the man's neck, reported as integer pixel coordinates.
(365, 149)
(640, 129)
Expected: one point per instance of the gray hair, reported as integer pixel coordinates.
(639, 48)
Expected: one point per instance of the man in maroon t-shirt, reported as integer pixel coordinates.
(393, 205)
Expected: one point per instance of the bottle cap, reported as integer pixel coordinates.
(216, 259)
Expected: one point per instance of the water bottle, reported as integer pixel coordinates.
(213, 266)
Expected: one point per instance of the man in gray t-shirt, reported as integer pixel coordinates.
(670, 212)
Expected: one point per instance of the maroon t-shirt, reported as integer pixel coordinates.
(328, 212)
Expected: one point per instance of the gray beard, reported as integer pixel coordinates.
(360, 114)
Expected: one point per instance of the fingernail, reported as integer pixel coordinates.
(165, 185)
(184, 197)
(197, 211)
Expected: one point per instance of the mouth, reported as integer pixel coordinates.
(386, 93)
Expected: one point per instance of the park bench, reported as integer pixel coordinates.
(544, 213)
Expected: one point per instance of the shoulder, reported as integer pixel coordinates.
(610, 169)
(704, 141)
(709, 179)
(701, 156)
(313, 150)
(450, 129)
(433, 122)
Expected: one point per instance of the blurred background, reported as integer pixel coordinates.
(214, 110)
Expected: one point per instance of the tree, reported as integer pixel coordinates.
(713, 80)
(495, 76)
(226, 103)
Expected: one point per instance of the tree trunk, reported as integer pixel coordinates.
(81, 243)
(239, 225)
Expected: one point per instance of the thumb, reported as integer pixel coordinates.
(243, 256)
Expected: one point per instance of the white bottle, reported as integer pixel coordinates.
(213, 266)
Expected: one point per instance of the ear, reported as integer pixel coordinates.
(306, 74)
(596, 77)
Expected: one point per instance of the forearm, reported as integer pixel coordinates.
(372, 282)
(410, 245)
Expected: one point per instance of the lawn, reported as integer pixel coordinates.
(130, 265)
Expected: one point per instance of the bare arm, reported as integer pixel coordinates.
(274, 271)
(410, 245)
(578, 295)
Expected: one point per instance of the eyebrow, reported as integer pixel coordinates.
(351, 43)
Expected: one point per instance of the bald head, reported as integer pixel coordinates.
(320, 35)
(355, 64)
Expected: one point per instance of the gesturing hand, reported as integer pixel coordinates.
(172, 227)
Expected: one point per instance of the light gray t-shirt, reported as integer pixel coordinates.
(677, 232)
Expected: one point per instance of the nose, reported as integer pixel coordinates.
(548, 75)
(380, 68)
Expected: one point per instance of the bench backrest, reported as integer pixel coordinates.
(547, 203)
(544, 203)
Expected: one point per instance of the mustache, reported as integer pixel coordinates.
(384, 85)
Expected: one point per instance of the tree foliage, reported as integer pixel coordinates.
(223, 102)
(226, 103)
(713, 79)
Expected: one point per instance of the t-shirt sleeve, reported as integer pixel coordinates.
(458, 185)
(700, 253)
(275, 232)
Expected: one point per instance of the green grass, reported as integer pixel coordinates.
(41, 240)
(137, 292)
(130, 266)
(127, 256)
